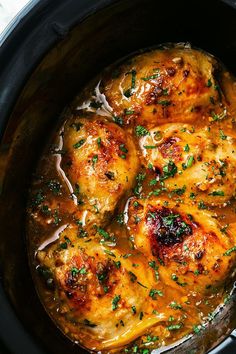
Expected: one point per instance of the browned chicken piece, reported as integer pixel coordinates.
(101, 163)
(98, 290)
(193, 252)
(174, 85)
(200, 162)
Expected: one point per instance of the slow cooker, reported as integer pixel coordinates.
(47, 55)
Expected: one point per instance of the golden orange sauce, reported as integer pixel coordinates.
(49, 188)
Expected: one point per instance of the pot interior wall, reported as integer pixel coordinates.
(103, 37)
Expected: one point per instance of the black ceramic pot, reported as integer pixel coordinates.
(45, 60)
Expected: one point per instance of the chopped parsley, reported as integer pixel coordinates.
(139, 178)
(128, 93)
(169, 170)
(115, 302)
(202, 205)
(79, 143)
(174, 327)
(123, 148)
(94, 160)
(175, 306)
(209, 83)
(179, 191)
(149, 147)
(154, 292)
(99, 140)
(153, 182)
(222, 135)
(196, 329)
(151, 77)
(186, 148)
(217, 193)
(132, 276)
(118, 120)
(117, 264)
(141, 131)
(164, 103)
(128, 112)
(229, 251)
(110, 253)
(154, 266)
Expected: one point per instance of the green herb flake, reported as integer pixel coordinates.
(153, 182)
(174, 327)
(117, 264)
(151, 77)
(83, 270)
(143, 286)
(186, 148)
(174, 305)
(127, 255)
(132, 276)
(79, 144)
(202, 205)
(128, 112)
(145, 351)
(209, 83)
(110, 253)
(129, 92)
(149, 147)
(229, 251)
(99, 140)
(169, 170)
(94, 160)
(141, 131)
(192, 195)
(164, 102)
(222, 135)
(217, 193)
(74, 271)
(179, 191)
(190, 161)
(154, 292)
(224, 228)
(154, 266)
(196, 329)
(115, 302)
(227, 299)
(63, 245)
(123, 148)
(133, 309)
(118, 120)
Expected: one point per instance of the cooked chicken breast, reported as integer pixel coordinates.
(187, 242)
(173, 84)
(201, 162)
(101, 163)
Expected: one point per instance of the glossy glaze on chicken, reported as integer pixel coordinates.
(131, 216)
